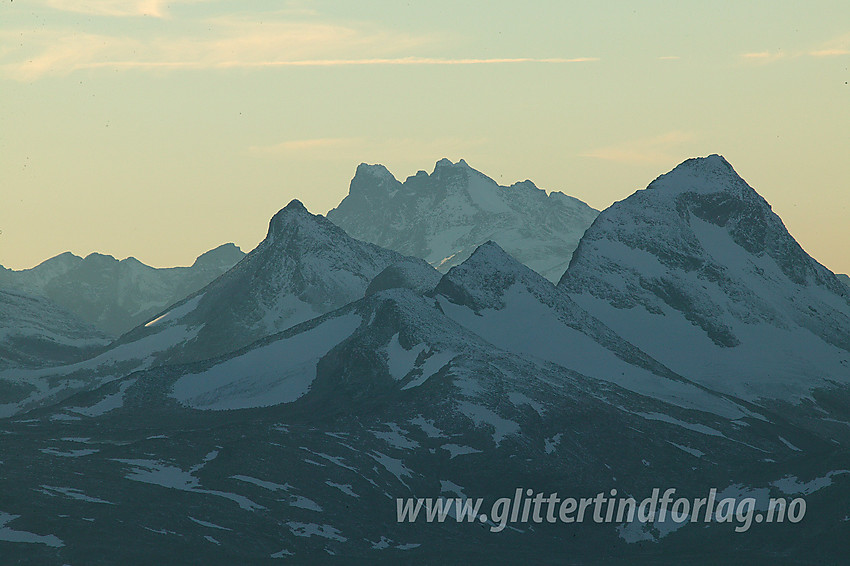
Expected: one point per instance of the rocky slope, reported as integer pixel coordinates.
(35, 332)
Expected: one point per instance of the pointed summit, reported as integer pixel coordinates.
(294, 221)
(490, 256)
(443, 163)
(703, 175)
(305, 267)
(481, 280)
(295, 205)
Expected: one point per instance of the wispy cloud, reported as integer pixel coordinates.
(223, 64)
(764, 56)
(657, 150)
(117, 8)
(225, 43)
(831, 52)
(234, 41)
(837, 47)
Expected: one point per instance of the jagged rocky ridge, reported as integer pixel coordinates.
(444, 216)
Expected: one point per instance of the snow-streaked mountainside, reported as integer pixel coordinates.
(306, 266)
(844, 278)
(444, 216)
(519, 311)
(35, 332)
(698, 272)
(401, 334)
(279, 412)
(115, 296)
(297, 446)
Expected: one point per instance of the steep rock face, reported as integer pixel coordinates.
(114, 295)
(35, 332)
(699, 272)
(444, 216)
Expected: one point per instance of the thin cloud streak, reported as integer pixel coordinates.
(764, 55)
(117, 8)
(829, 52)
(68, 54)
(838, 47)
(332, 62)
(230, 41)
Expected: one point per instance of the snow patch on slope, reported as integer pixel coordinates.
(258, 378)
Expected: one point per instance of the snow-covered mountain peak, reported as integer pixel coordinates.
(703, 175)
(716, 272)
(305, 267)
(489, 257)
(481, 280)
(294, 223)
(461, 177)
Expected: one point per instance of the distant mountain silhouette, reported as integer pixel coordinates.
(114, 295)
(444, 216)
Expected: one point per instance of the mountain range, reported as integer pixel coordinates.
(116, 296)
(280, 410)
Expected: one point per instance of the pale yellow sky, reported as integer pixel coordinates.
(161, 129)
